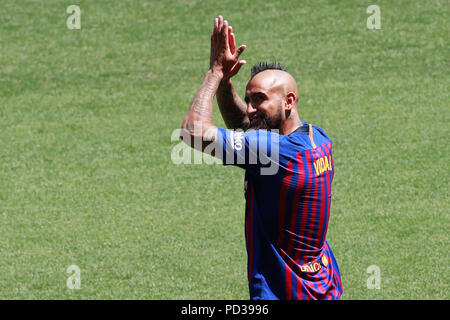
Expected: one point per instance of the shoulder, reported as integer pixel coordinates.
(321, 132)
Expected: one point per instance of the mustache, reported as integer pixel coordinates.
(255, 116)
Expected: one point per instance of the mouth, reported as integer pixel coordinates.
(257, 122)
(255, 118)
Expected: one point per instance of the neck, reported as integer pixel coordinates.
(290, 124)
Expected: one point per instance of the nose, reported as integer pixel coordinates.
(250, 109)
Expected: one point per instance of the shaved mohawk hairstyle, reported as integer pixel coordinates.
(269, 65)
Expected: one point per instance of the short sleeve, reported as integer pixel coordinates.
(255, 150)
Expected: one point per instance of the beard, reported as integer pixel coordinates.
(265, 122)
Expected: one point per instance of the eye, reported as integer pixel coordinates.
(258, 97)
(255, 98)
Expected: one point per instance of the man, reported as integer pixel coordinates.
(288, 173)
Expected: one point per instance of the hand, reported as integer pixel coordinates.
(224, 57)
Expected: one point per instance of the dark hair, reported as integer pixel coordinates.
(269, 65)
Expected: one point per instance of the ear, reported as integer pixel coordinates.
(290, 100)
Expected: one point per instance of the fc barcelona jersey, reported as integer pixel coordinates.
(288, 193)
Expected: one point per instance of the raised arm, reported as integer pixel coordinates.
(197, 129)
(231, 106)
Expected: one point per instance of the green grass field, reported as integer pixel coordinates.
(86, 118)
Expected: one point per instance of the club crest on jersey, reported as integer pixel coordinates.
(323, 164)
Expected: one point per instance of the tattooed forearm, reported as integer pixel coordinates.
(203, 101)
(231, 106)
(202, 104)
(198, 121)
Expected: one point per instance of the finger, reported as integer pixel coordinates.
(237, 67)
(239, 51)
(225, 33)
(220, 24)
(232, 41)
(214, 31)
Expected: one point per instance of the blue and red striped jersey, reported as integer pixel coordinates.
(288, 197)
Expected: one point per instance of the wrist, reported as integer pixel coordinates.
(216, 73)
(225, 80)
(225, 83)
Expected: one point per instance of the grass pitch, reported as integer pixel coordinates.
(86, 118)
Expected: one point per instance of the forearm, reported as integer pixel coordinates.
(231, 106)
(198, 120)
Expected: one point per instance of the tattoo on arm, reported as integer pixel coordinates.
(199, 116)
(202, 104)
